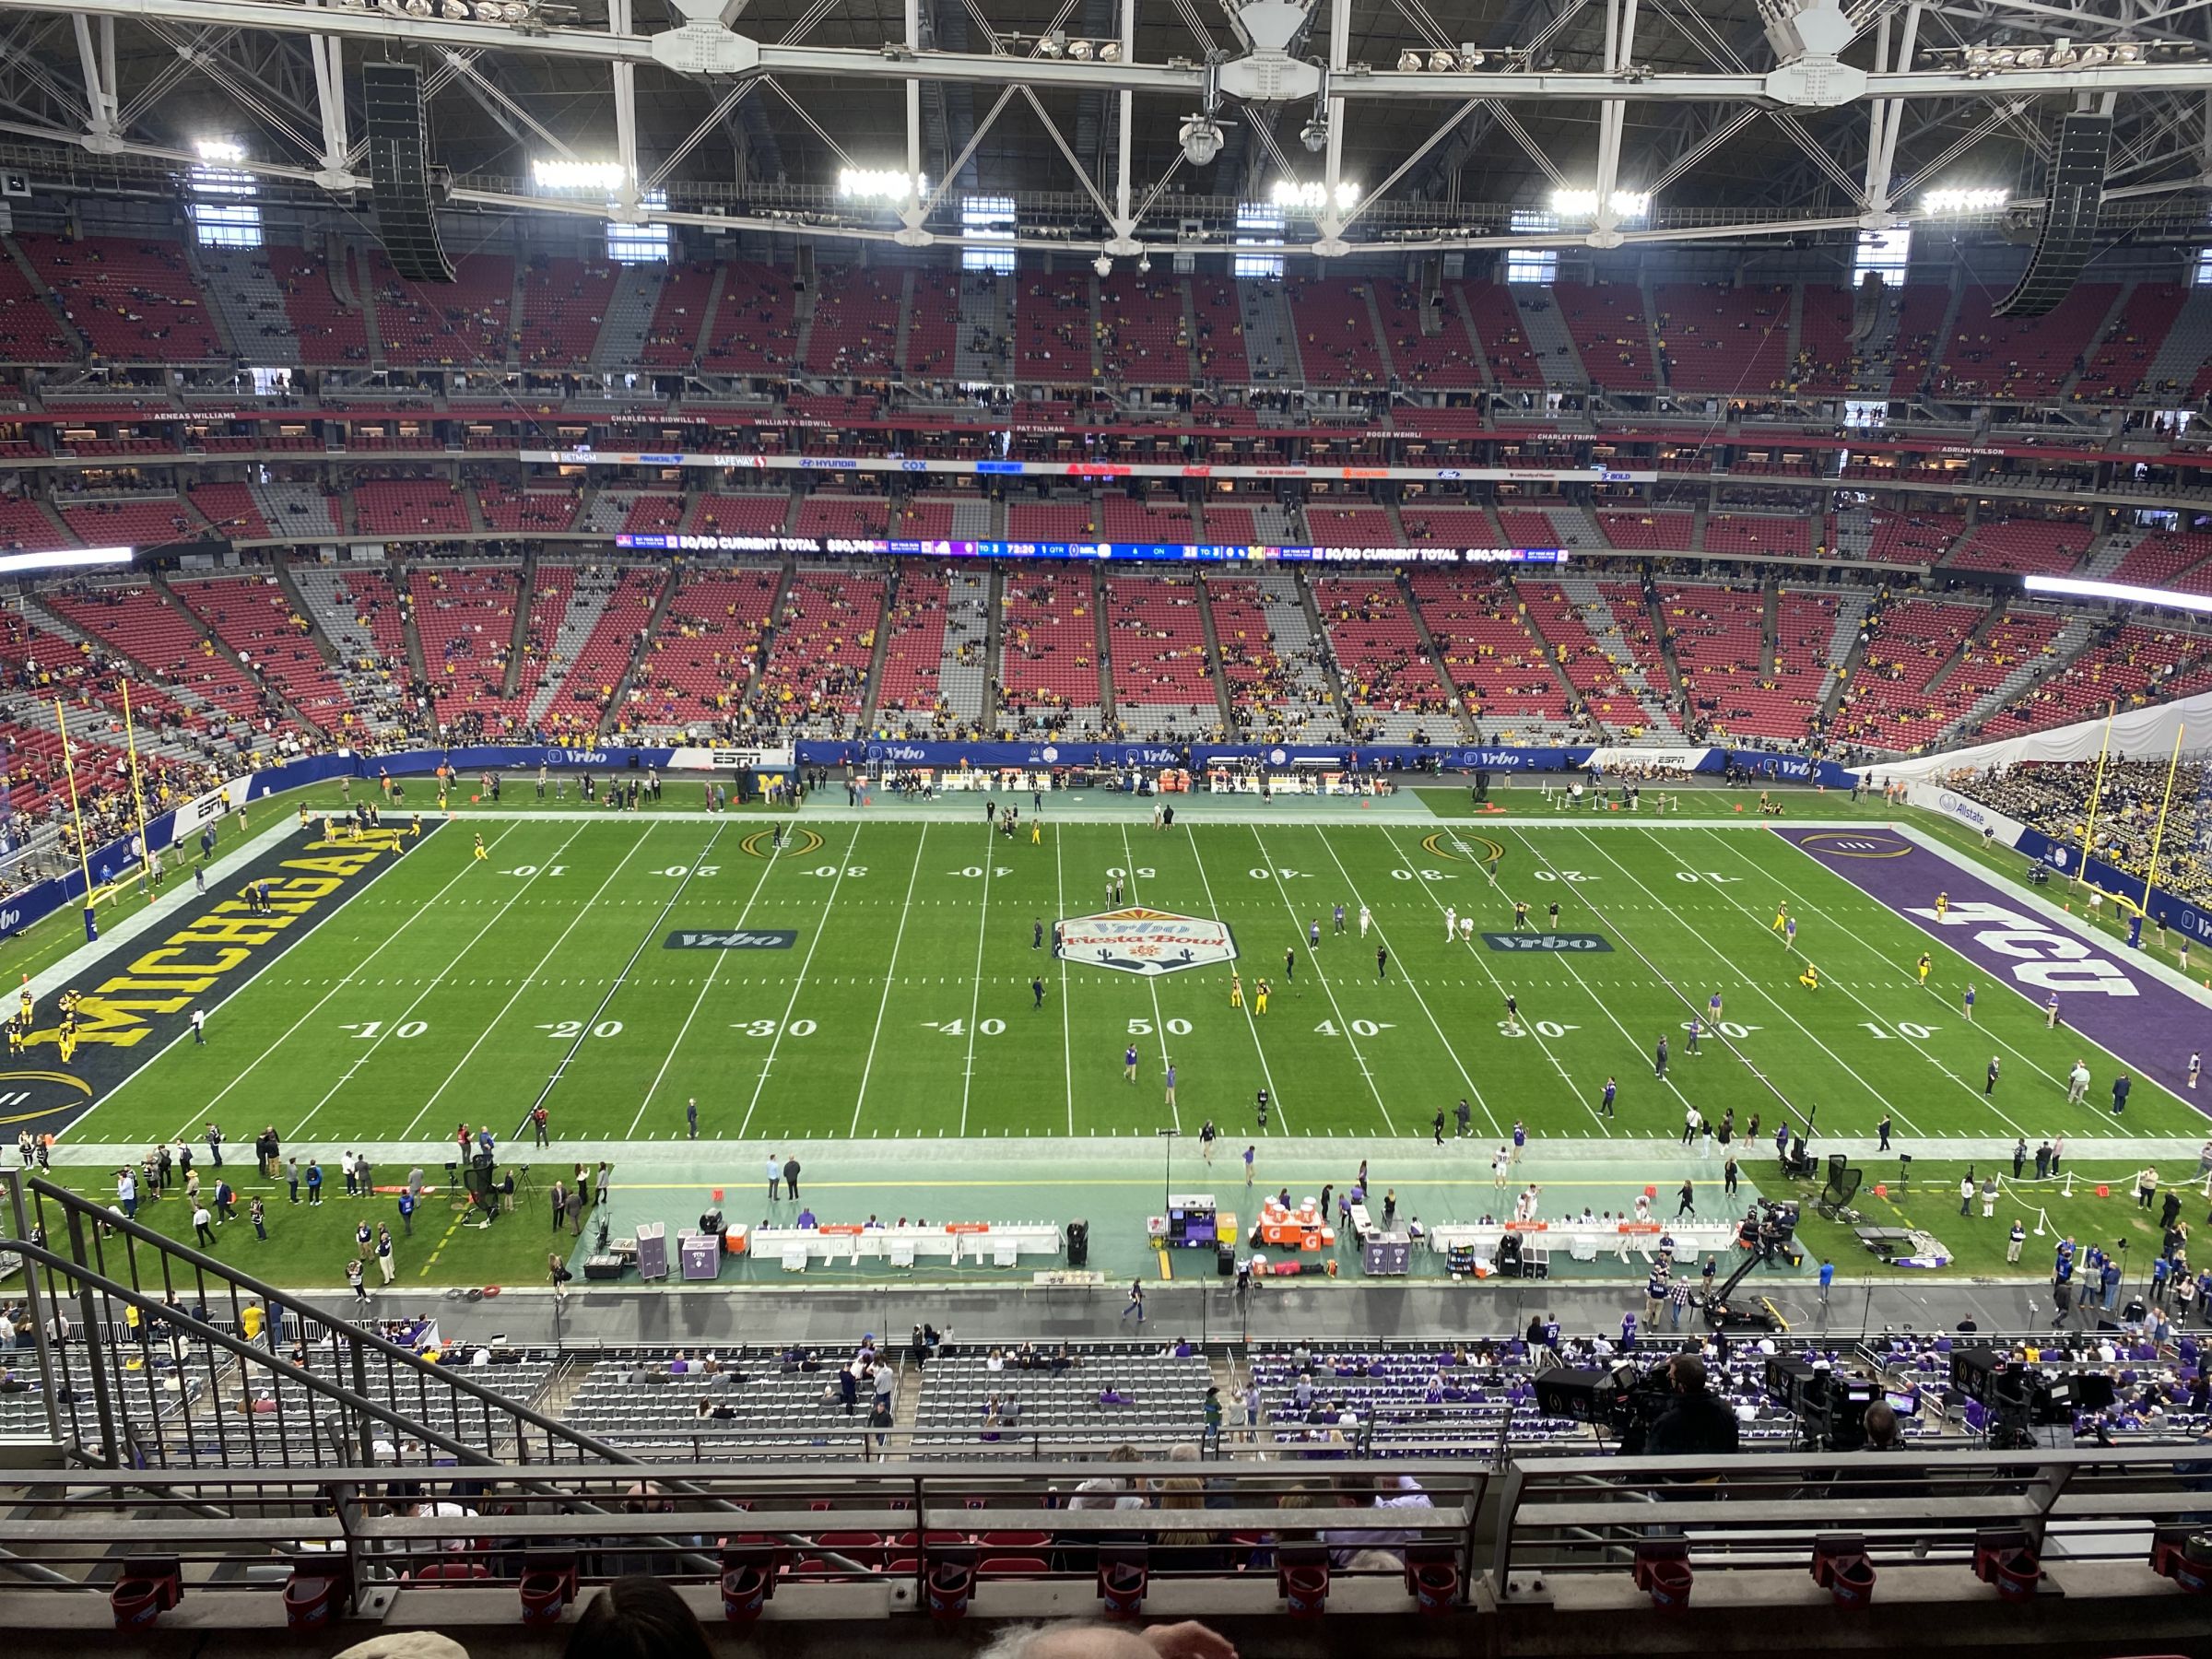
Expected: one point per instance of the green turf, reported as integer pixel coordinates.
(309, 1245)
(450, 991)
(1930, 1202)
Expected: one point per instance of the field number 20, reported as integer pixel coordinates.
(570, 1030)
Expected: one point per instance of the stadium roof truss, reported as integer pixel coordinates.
(1678, 120)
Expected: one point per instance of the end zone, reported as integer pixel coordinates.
(138, 996)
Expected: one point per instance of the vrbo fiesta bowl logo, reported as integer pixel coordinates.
(1137, 940)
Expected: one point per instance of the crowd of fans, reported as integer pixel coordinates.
(2054, 796)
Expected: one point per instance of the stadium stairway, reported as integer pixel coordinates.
(2181, 361)
(2113, 313)
(1215, 672)
(525, 591)
(994, 602)
(53, 623)
(1546, 331)
(1870, 366)
(885, 610)
(64, 327)
(1605, 627)
(1265, 311)
(587, 604)
(222, 648)
(247, 304)
(2073, 637)
(652, 630)
(1843, 644)
(628, 316)
(313, 590)
(2109, 553)
(986, 316)
(1436, 655)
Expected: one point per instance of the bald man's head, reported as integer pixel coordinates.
(1070, 1642)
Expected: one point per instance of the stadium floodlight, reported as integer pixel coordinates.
(2126, 592)
(1110, 52)
(1964, 201)
(1409, 62)
(63, 558)
(1314, 135)
(1441, 63)
(220, 149)
(1200, 137)
(1080, 51)
(1309, 197)
(1104, 264)
(2061, 54)
(1583, 203)
(455, 11)
(879, 185)
(605, 176)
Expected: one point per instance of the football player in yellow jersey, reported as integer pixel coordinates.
(1943, 903)
(481, 854)
(1924, 965)
(1810, 978)
(1236, 990)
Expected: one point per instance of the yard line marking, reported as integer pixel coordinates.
(77, 1123)
(768, 868)
(1313, 962)
(1067, 1045)
(1457, 1064)
(884, 1002)
(1274, 1100)
(422, 996)
(1756, 989)
(1917, 1043)
(1159, 1025)
(659, 920)
(514, 996)
(976, 1002)
(821, 926)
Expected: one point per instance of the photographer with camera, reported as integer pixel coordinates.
(1696, 1421)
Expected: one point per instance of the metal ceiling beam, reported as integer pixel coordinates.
(1778, 89)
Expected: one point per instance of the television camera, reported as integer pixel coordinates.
(2024, 1407)
(1623, 1401)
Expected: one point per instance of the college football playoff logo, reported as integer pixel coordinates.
(1137, 940)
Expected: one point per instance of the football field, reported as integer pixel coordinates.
(875, 976)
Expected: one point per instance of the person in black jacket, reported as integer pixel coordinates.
(1697, 1422)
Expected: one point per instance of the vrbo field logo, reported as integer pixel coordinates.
(763, 938)
(2037, 953)
(1557, 941)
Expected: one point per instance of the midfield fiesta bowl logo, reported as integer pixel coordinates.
(1137, 940)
